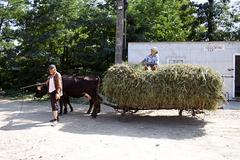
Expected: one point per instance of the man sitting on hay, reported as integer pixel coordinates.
(151, 61)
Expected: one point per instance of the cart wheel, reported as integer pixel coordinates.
(136, 110)
(180, 112)
(193, 113)
(124, 112)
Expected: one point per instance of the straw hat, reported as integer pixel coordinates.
(155, 50)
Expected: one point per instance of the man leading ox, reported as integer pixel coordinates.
(54, 83)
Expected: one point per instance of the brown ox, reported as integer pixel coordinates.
(77, 86)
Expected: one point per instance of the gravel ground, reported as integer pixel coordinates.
(25, 134)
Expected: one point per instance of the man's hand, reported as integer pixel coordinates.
(154, 67)
(57, 96)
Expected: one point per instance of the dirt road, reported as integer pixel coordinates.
(148, 135)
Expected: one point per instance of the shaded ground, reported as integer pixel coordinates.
(150, 135)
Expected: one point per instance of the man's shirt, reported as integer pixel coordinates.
(51, 84)
(151, 60)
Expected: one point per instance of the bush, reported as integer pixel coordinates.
(178, 86)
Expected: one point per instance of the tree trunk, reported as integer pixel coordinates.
(119, 31)
(210, 20)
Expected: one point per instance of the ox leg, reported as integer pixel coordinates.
(93, 103)
(66, 101)
(61, 106)
(99, 101)
(94, 113)
(97, 104)
(98, 107)
(90, 107)
(65, 108)
(71, 108)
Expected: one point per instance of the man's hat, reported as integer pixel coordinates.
(155, 50)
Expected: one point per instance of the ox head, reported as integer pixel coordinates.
(41, 90)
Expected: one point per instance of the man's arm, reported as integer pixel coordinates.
(144, 61)
(46, 82)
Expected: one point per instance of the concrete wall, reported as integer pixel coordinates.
(218, 55)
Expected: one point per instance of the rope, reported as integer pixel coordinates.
(33, 85)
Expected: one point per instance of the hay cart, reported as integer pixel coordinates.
(182, 87)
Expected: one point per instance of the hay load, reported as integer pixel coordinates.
(178, 86)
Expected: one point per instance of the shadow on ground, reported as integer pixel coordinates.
(36, 114)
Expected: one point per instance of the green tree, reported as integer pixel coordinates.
(11, 12)
(160, 20)
(236, 20)
(216, 21)
(77, 35)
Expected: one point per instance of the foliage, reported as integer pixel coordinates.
(160, 20)
(217, 20)
(79, 35)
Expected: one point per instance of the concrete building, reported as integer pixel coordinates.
(221, 56)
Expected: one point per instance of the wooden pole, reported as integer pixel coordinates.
(125, 55)
(119, 32)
